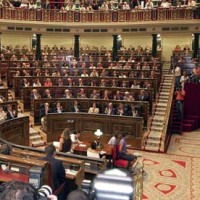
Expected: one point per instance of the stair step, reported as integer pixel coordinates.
(162, 104)
(154, 128)
(32, 131)
(38, 143)
(35, 137)
(156, 123)
(159, 113)
(159, 118)
(163, 101)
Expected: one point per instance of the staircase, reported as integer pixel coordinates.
(35, 138)
(166, 67)
(156, 135)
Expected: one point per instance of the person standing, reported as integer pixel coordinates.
(180, 96)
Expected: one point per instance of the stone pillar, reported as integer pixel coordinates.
(38, 47)
(154, 45)
(114, 50)
(76, 46)
(196, 45)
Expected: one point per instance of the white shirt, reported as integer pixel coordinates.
(112, 141)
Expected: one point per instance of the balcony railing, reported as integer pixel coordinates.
(159, 14)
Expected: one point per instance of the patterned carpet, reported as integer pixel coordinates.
(175, 175)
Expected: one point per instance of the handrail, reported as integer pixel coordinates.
(44, 15)
(164, 132)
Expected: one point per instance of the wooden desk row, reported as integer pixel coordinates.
(33, 71)
(86, 104)
(19, 82)
(58, 92)
(55, 123)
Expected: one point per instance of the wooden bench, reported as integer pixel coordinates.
(21, 166)
(18, 82)
(58, 92)
(73, 166)
(15, 130)
(86, 104)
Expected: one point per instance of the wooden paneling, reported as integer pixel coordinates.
(56, 123)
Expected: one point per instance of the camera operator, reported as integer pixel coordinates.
(180, 96)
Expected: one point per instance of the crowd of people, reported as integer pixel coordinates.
(84, 5)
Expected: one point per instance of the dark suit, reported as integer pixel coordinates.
(57, 171)
(72, 108)
(36, 96)
(143, 98)
(10, 115)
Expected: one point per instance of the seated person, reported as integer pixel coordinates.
(37, 83)
(95, 95)
(58, 108)
(128, 96)
(93, 109)
(113, 139)
(81, 94)
(92, 152)
(123, 152)
(75, 138)
(47, 94)
(2, 114)
(142, 96)
(65, 142)
(10, 114)
(67, 94)
(48, 83)
(75, 107)
(2, 98)
(35, 94)
(135, 112)
(110, 110)
(118, 96)
(121, 110)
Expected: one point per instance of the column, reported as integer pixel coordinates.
(76, 46)
(38, 47)
(114, 50)
(196, 45)
(154, 45)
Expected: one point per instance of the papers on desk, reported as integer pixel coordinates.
(102, 152)
(82, 145)
(56, 144)
(71, 172)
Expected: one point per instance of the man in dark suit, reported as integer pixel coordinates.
(142, 96)
(10, 114)
(58, 173)
(57, 169)
(75, 107)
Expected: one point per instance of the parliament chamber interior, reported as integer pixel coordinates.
(99, 99)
